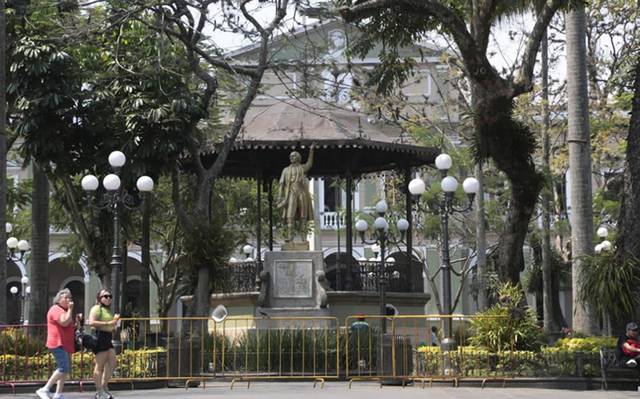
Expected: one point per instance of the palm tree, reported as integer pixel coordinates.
(40, 243)
(551, 321)
(579, 164)
(3, 163)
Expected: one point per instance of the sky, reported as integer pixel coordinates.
(505, 47)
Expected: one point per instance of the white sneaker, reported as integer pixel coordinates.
(43, 393)
(632, 363)
(102, 395)
(61, 396)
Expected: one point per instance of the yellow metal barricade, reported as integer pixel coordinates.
(185, 350)
(277, 348)
(408, 349)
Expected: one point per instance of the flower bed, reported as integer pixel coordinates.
(569, 357)
(131, 364)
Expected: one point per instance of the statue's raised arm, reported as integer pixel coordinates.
(309, 163)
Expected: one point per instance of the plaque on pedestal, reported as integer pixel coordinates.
(293, 279)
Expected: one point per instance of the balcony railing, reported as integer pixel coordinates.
(329, 220)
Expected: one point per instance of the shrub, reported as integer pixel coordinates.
(588, 344)
(15, 341)
(507, 325)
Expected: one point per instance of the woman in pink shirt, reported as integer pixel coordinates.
(60, 341)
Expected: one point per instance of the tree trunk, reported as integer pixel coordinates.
(579, 164)
(550, 321)
(627, 243)
(40, 295)
(503, 139)
(3, 164)
(481, 237)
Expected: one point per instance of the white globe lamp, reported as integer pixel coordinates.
(417, 186)
(117, 159)
(470, 185)
(23, 245)
(443, 162)
(381, 224)
(144, 184)
(449, 184)
(602, 232)
(111, 182)
(90, 183)
(381, 207)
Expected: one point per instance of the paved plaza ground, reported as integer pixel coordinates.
(340, 390)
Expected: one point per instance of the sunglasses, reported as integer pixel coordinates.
(108, 296)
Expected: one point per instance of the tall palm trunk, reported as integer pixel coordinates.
(579, 164)
(550, 321)
(40, 295)
(3, 164)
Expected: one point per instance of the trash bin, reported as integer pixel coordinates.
(399, 360)
(184, 360)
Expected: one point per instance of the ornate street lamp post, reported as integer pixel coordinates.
(16, 249)
(115, 197)
(248, 251)
(604, 245)
(382, 237)
(446, 207)
(25, 295)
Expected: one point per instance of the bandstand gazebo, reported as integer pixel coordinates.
(347, 145)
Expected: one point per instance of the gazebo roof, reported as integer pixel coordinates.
(344, 140)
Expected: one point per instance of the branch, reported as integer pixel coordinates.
(183, 218)
(190, 46)
(524, 81)
(434, 287)
(475, 60)
(482, 11)
(251, 92)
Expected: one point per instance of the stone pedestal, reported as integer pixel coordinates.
(294, 285)
(296, 246)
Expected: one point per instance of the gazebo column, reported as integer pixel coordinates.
(270, 200)
(409, 213)
(259, 226)
(348, 224)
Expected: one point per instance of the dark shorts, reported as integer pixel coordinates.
(104, 341)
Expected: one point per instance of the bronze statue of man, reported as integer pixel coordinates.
(294, 197)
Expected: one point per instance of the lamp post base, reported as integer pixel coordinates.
(448, 347)
(117, 346)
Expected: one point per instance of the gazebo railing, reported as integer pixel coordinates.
(242, 277)
(364, 277)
